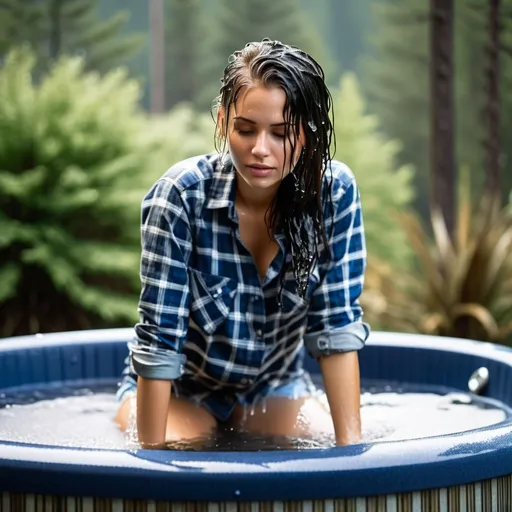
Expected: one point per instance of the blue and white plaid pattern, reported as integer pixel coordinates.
(208, 321)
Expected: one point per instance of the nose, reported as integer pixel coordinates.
(261, 147)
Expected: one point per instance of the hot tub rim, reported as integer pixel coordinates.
(384, 461)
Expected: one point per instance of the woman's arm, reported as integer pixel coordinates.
(335, 331)
(340, 374)
(156, 350)
(152, 407)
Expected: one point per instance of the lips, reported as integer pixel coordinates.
(260, 166)
(259, 169)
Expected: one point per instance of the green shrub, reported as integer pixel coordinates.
(386, 191)
(386, 188)
(76, 157)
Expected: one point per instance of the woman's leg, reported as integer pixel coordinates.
(185, 419)
(293, 410)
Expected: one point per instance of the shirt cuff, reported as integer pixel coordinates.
(347, 339)
(150, 362)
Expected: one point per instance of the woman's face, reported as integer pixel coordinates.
(258, 138)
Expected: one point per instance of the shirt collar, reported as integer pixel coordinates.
(222, 190)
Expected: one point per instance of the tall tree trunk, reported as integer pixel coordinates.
(55, 39)
(442, 156)
(492, 108)
(157, 55)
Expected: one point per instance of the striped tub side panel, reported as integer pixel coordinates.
(493, 495)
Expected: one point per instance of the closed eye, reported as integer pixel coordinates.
(246, 133)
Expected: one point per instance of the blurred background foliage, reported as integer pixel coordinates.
(99, 97)
(76, 154)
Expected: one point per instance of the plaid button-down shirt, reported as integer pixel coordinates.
(207, 319)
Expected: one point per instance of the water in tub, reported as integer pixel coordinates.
(84, 418)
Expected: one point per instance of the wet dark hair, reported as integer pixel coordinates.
(297, 208)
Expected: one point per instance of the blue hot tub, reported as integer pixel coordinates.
(464, 471)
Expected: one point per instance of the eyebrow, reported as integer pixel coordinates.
(250, 121)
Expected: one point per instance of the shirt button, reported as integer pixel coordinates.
(259, 333)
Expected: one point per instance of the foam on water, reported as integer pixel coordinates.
(84, 419)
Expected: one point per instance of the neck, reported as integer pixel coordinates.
(254, 201)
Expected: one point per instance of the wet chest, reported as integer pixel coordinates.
(255, 237)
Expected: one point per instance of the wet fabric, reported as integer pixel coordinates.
(208, 321)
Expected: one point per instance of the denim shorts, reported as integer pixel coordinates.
(299, 387)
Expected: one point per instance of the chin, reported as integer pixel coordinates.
(262, 183)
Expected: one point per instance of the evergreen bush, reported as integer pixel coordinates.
(76, 157)
(386, 188)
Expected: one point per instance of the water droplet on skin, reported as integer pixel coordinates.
(312, 125)
(132, 437)
(264, 406)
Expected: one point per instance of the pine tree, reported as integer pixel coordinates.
(386, 186)
(488, 28)
(71, 152)
(443, 174)
(183, 36)
(19, 22)
(396, 82)
(67, 27)
(493, 103)
(348, 23)
(244, 21)
(397, 86)
(386, 191)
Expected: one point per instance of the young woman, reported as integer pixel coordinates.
(248, 256)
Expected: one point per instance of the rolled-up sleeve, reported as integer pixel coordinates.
(335, 316)
(156, 350)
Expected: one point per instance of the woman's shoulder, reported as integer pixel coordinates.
(191, 172)
(337, 178)
(188, 179)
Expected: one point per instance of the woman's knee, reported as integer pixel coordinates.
(302, 417)
(187, 420)
(122, 416)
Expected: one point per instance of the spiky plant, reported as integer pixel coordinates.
(465, 285)
(386, 299)
(76, 157)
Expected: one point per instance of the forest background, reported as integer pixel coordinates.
(99, 98)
